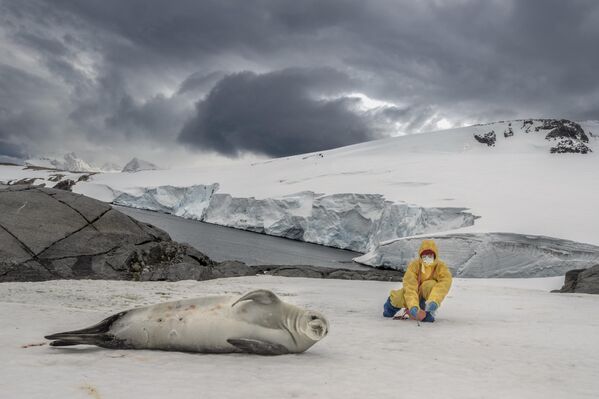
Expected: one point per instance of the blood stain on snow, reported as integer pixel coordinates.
(91, 391)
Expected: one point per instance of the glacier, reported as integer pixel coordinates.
(357, 222)
(491, 254)
(187, 202)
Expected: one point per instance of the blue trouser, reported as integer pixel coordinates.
(390, 310)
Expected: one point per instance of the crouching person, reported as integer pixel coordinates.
(425, 284)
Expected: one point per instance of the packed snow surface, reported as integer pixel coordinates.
(492, 338)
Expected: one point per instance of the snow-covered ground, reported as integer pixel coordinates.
(493, 339)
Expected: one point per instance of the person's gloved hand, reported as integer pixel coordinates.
(431, 306)
(417, 313)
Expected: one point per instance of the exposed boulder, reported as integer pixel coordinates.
(50, 234)
(66, 185)
(527, 125)
(584, 281)
(84, 177)
(487, 138)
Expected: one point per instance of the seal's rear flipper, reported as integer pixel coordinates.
(94, 335)
(62, 343)
(258, 347)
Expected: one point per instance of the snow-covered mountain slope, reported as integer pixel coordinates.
(70, 163)
(135, 165)
(515, 186)
(492, 338)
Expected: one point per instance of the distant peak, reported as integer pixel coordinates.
(136, 164)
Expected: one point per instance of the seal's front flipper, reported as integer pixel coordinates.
(258, 347)
(263, 297)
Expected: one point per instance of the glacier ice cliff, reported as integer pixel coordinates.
(357, 222)
(491, 254)
(188, 202)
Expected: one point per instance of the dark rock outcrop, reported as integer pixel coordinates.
(487, 138)
(569, 136)
(566, 136)
(566, 145)
(584, 281)
(48, 234)
(237, 269)
(66, 185)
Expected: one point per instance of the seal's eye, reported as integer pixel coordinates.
(313, 317)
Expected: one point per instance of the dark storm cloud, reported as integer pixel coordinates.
(276, 114)
(112, 69)
(200, 81)
(11, 150)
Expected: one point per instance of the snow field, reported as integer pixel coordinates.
(493, 339)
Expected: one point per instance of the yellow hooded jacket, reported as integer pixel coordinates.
(417, 273)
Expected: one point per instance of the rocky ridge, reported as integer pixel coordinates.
(565, 135)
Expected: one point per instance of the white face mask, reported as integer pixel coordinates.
(428, 260)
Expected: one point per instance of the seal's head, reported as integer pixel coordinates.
(313, 325)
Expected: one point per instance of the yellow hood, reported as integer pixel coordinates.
(427, 270)
(430, 245)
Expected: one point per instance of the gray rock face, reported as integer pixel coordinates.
(488, 138)
(584, 281)
(66, 185)
(54, 234)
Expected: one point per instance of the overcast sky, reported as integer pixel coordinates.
(179, 81)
